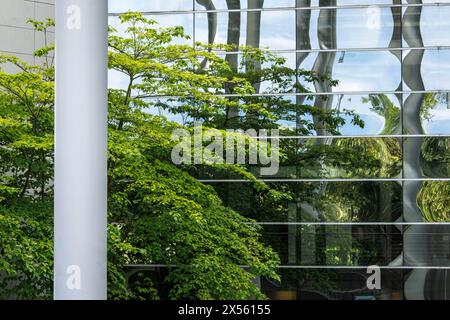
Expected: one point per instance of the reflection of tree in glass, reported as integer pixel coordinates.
(385, 107)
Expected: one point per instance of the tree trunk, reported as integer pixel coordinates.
(212, 25)
(234, 33)
(254, 33)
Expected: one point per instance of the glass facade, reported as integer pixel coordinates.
(390, 63)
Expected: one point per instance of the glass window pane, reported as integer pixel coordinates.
(351, 284)
(434, 25)
(370, 27)
(379, 113)
(242, 4)
(437, 120)
(354, 2)
(164, 21)
(335, 245)
(274, 29)
(434, 67)
(354, 71)
(153, 5)
(427, 245)
(333, 284)
(320, 201)
(343, 71)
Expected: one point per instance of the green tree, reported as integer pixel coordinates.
(159, 214)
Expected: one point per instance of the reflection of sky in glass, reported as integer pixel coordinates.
(277, 29)
(184, 20)
(440, 120)
(222, 4)
(355, 28)
(149, 5)
(373, 122)
(362, 71)
(436, 70)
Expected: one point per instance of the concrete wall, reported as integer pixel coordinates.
(16, 35)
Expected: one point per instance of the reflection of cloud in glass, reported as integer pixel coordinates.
(146, 5)
(277, 29)
(436, 70)
(356, 71)
(165, 21)
(222, 4)
(363, 71)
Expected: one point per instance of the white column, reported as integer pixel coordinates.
(80, 149)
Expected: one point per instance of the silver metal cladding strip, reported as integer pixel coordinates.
(305, 223)
(144, 266)
(350, 6)
(323, 180)
(293, 94)
(371, 136)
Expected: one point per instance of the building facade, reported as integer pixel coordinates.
(16, 35)
(390, 60)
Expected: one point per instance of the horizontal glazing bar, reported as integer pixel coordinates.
(40, 2)
(20, 27)
(323, 180)
(308, 94)
(358, 136)
(18, 53)
(340, 50)
(352, 6)
(366, 267)
(348, 223)
(144, 266)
